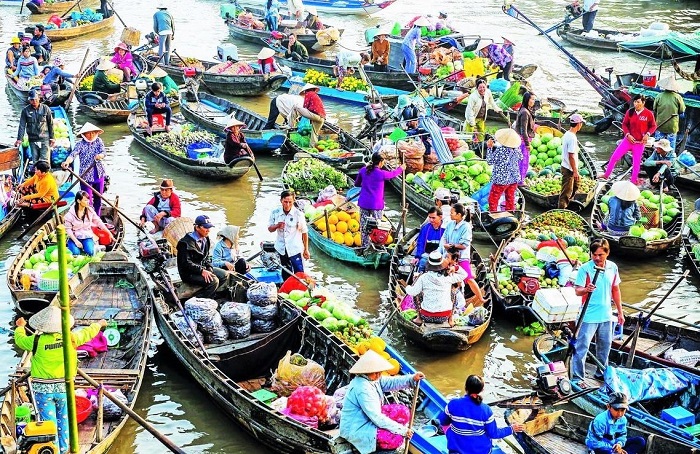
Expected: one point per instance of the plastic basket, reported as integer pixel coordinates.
(48, 285)
(195, 150)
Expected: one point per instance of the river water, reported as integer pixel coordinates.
(168, 399)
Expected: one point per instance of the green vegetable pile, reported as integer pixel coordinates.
(177, 142)
(469, 174)
(551, 184)
(668, 207)
(309, 176)
(694, 223)
(533, 329)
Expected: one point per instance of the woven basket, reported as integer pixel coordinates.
(176, 230)
(131, 36)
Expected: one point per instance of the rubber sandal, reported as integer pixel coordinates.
(417, 323)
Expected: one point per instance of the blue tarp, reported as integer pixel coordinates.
(646, 384)
(687, 44)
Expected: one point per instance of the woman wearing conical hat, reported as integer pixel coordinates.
(91, 151)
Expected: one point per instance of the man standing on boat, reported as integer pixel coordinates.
(410, 41)
(590, 9)
(312, 109)
(296, 9)
(292, 242)
(164, 26)
(569, 162)
(284, 104)
(668, 109)
(37, 121)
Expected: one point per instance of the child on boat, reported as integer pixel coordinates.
(607, 432)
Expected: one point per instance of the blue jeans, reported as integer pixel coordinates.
(587, 20)
(422, 262)
(88, 247)
(670, 136)
(294, 263)
(634, 445)
(54, 406)
(409, 57)
(164, 47)
(603, 342)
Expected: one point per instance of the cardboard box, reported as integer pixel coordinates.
(555, 305)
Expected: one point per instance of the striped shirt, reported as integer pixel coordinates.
(472, 426)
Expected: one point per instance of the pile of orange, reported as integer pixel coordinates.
(343, 228)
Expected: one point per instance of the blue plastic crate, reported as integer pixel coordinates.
(678, 416)
(199, 150)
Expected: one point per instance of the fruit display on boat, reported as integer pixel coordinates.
(43, 265)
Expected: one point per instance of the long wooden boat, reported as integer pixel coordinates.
(121, 367)
(351, 7)
(645, 414)
(227, 84)
(545, 224)
(57, 99)
(691, 243)
(41, 239)
(62, 34)
(243, 33)
(689, 177)
(391, 78)
(563, 431)
(356, 155)
(433, 336)
(635, 246)
(213, 169)
(212, 113)
(51, 8)
(10, 160)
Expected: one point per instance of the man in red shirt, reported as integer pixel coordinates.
(313, 110)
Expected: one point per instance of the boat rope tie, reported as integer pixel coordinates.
(123, 283)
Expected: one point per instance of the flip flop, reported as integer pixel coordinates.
(417, 323)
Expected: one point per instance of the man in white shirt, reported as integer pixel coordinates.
(296, 9)
(569, 162)
(590, 9)
(292, 242)
(284, 104)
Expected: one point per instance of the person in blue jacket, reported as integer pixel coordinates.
(41, 44)
(472, 424)
(429, 237)
(408, 45)
(57, 75)
(157, 102)
(607, 433)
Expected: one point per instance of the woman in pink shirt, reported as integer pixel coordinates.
(124, 61)
(79, 221)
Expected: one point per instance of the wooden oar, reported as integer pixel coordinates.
(75, 85)
(50, 209)
(577, 330)
(643, 321)
(116, 14)
(20, 11)
(665, 317)
(413, 414)
(135, 416)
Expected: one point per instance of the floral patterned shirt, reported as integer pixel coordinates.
(506, 164)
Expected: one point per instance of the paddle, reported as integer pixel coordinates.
(159, 436)
(50, 209)
(116, 14)
(75, 85)
(562, 23)
(200, 79)
(20, 11)
(684, 323)
(643, 321)
(579, 323)
(396, 307)
(413, 414)
(69, 9)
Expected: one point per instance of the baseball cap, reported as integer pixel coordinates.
(203, 221)
(576, 118)
(618, 401)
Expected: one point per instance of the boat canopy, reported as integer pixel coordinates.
(646, 384)
(682, 45)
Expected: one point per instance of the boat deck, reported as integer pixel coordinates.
(553, 442)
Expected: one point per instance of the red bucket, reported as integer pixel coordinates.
(649, 80)
(83, 408)
(102, 236)
(56, 20)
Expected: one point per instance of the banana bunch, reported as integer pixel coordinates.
(319, 78)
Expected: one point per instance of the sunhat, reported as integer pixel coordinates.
(265, 52)
(507, 40)
(105, 64)
(230, 232)
(312, 10)
(421, 22)
(669, 84)
(89, 127)
(203, 221)
(625, 190)
(443, 14)
(483, 44)
(121, 46)
(233, 122)
(157, 73)
(48, 320)
(435, 262)
(508, 138)
(442, 194)
(167, 184)
(618, 401)
(664, 144)
(58, 61)
(369, 363)
(308, 87)
(576, 118)
(383, 31)
(15, 40)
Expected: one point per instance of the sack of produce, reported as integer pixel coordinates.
(262, 294)
(308, 401)
(188, 330)
(411, 148)
(200, 309)
(430, 161)
(212, 324)
(414, 165)
(339, 396)
(397, 412)
(110, 410)
(263, 326)
(235, 314)
(294, 371)
(266, 313)
(311, 421)
(238, 332)
(218, 335)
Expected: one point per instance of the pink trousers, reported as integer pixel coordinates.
(637, 150)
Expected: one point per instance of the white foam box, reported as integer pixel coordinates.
(554, 305)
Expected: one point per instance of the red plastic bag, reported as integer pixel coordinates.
(308, 401)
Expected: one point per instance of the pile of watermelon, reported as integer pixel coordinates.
(46, 261)
(668, 205)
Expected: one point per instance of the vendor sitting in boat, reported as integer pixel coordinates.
(57, 77)
(361, 418)
(27, 66)
(157, 103)
(267, 62)
(312, 22)
(235, 146)
(296, 50)
(662, 165)
(435, 288)
(100, 82)
(163, 207)
(124, 61)
(624, 211)
(429, 238)
(40, 188)
(41, 44)
(607, 433)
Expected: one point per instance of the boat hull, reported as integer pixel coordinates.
(62, 34)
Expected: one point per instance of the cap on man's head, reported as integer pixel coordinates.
(203, 221)
(33, 96)
(576, 119)
(618, 401)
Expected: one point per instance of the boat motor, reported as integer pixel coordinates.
(551, 379)
(379, 231)
(38, 438)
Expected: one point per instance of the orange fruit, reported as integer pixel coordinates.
(343, 216)
(321, 224)
(349, 239)
(353, 225)
(358, 239)
(389, 239)
(341, 226)
(397, 366)
(377, 344)
(333, 228)
(339, 238)
(332, 219)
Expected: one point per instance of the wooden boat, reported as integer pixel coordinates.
(233, 371)
(439, 337)
(689, 177)
(643, 415)
(391, 78)
(62, 34)
(563, 431)
(356, 155)
(212, 113)
(121, 367)
(51, 8)
(212, 169)
(227, 84)
(56, 99)
(256, 36)
(41, 239)
(690, 240)
(635, 246)
(351, 7)
(10, 160)
(516, 300)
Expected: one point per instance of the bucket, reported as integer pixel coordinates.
(56, 20)
(649, 79)
(23, 414)
(83, 408)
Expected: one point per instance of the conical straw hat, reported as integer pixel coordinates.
(369, 363)
(89, 127)
(508, 138)
(625, 190)
(48, 320)
(669, 84)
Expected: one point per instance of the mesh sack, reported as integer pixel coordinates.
(262, 294)
(200, 309)
(339, 396)
(263, 312)
(236, 314)
(263, 326)
(238, 332)
(111, 412)
(186, 329)
(217, 336)
(211, 325)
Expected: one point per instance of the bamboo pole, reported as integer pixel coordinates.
(69, 356)
(100, 413)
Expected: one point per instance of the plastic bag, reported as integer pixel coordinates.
(239, 332)
(236, 314)
(111, 412)
(188, 330)
(211, 325)
(200, 309)
(311, 421)
(263, 326)
(339, 396)
(289, 377)
(326, 194)
(396, 412)
(263, 312)
(304, 127)
(219, 335)
(262, 294)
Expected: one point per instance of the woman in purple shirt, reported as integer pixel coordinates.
(91, 151)
(371, 179)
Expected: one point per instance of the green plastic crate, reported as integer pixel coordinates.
(264, 396)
